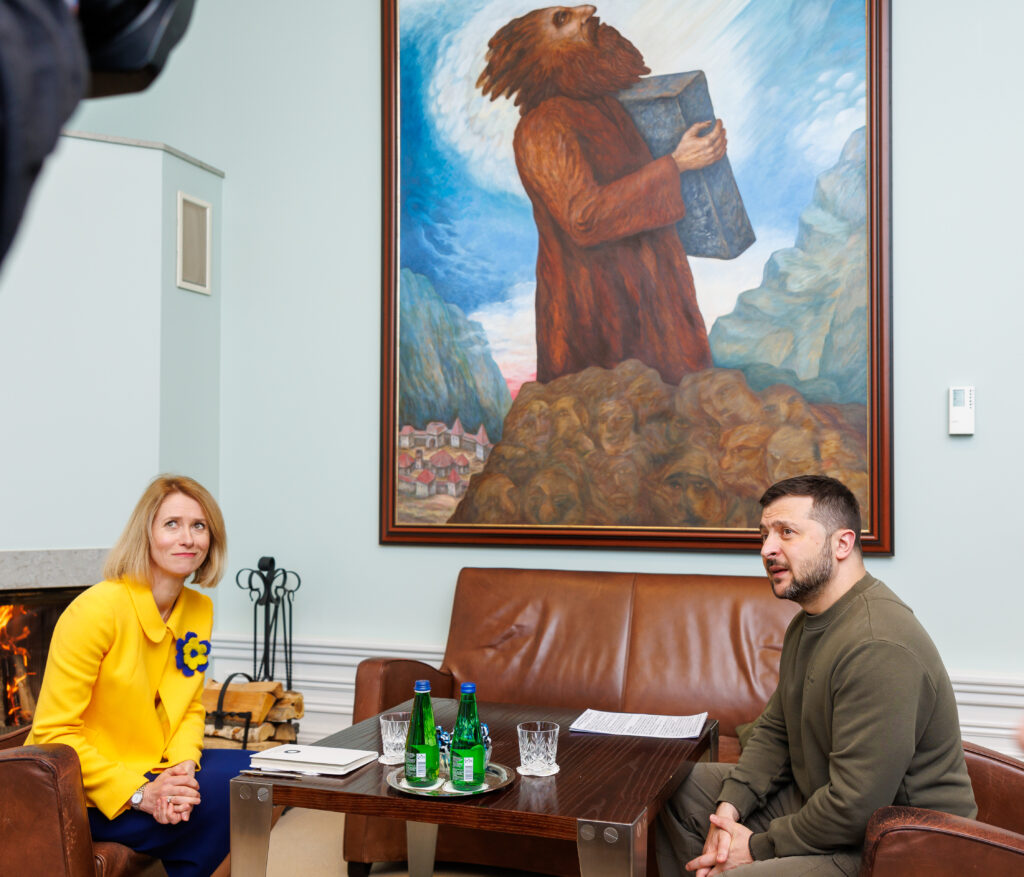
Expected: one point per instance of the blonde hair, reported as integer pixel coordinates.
(130, 556)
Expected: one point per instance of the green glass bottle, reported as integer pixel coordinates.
(468, 763)
(421, 751)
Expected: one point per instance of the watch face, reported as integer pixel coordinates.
(137, 798)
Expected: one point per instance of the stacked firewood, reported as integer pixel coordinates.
(273, 720)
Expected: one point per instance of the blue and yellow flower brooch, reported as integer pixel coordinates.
(193, 654)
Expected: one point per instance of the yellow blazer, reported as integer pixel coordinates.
(113, 691)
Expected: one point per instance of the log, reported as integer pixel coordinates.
(221, 743)
(25, 699)
(239, 700)
(233, 721)
(290, 705)
(282, 713)
(274, 688)
(257, 733)
(285, 732)
(294, 698)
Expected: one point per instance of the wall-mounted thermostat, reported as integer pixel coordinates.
(961, 410)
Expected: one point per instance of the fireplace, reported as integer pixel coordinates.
(27, 619)
(35, 588)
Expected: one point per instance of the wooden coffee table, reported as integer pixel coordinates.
(605, 796)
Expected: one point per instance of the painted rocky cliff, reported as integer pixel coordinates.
(445, 366)
(806, 324)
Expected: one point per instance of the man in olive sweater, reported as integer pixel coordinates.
(863, 716)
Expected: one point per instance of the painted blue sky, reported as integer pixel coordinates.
(787, 77)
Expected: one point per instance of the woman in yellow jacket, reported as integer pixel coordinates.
(124, 680)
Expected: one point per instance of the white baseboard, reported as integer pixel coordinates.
(991, 707)
(991, 710)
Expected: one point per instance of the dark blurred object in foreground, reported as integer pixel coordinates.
(128, 41)
(49, 61)
(43, 75)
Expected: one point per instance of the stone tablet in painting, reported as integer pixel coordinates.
(663, 107)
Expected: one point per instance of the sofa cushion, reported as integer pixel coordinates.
(542, 637)
(705, 643)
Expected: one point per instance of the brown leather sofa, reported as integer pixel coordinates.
(644, 643)
(44, 830)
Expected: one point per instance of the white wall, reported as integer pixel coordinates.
(190, 334)
(79, 319)
(286, 98)
(109, 373)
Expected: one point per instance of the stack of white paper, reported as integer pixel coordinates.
(311, 759)
(639, 724)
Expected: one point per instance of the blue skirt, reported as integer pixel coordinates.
(188, 849)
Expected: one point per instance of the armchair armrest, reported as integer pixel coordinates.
(913, 842)
(383, 682)
(42, 811)
(14, 737)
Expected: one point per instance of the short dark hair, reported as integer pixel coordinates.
(833, 504)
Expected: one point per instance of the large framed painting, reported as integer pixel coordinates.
(636, 268)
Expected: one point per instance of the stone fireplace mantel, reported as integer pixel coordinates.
(51, 568)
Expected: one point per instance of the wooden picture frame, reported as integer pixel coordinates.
(423, 170)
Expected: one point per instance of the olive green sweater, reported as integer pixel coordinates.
(863, 717)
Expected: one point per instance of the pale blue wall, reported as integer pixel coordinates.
(79, 343)
(190, 334)
(109, 373)
(285, 98)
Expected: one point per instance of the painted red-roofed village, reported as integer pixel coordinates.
(434, 467)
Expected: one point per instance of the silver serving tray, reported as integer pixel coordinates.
(496, 776)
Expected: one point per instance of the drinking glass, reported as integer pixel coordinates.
(538, 744)
(394, 728)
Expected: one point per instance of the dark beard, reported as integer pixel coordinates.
(806, 586)
(605, 64)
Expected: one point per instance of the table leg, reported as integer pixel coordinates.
(713, 744)
(610, 849)
(421, 841)
(252, 807)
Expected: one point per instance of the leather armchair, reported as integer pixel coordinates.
(44, 829)
(911, 842)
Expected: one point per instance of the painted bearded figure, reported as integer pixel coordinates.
(613, 281)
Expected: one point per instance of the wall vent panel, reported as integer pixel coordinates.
(194, 244)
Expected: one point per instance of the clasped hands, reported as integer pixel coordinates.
(169, 798)
(727, 845)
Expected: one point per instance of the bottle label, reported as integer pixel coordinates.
(416, 765)
(464, 769)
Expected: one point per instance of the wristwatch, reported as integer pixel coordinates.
(137, 797)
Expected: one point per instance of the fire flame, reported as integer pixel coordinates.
(10, 636)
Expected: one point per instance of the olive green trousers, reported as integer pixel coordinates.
(683, 826)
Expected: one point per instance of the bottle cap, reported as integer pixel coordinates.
(468, 688)
(421, 685)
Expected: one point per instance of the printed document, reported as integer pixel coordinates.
(639, 724)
